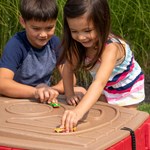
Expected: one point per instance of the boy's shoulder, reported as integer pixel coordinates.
(54, 41)
(18, 38)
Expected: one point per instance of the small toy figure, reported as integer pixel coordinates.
(55, 105)
(62, 130)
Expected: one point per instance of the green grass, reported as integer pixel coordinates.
(130, 19)
(144, 107)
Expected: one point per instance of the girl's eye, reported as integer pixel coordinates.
(73, 31)
(88, 30)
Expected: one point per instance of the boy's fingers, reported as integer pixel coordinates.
(53, 94)
(41, 97)
(46, 95)
(54, 100)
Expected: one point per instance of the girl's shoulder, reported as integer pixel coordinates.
(115, 39)
(116, 45)
(112, 39)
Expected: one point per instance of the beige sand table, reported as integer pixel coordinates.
(28, 124)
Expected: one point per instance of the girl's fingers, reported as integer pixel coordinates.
(69, 120)
(75, 100)
(72, 124)
(66, 121)
(69, 101)
(63, 121)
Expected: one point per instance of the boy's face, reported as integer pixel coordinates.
(39, 32)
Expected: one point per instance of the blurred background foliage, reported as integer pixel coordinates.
(130, 19)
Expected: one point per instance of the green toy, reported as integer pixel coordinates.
(55, 105)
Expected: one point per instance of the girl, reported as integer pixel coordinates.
(88, 43)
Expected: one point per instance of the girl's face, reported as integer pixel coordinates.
(83, 31)
(39, 32)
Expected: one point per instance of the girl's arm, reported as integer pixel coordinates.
(69, 81)
(59, 86)
(108, 61)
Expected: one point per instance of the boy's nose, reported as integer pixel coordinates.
(43, 34)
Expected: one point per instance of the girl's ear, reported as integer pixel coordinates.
(22, 22)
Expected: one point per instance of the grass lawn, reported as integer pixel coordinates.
(144, 107)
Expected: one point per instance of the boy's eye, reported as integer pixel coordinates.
(37, 29)
(49, 28)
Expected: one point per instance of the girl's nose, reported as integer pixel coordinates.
(81, 37)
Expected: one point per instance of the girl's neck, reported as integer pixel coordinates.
(91, 52)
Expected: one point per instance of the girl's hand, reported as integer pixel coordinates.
(73, 100)
(46, 94)
(69, 120)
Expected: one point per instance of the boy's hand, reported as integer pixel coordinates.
(46, 94)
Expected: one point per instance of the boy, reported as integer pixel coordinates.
(30, 56)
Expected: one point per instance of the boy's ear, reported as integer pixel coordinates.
(22, 22)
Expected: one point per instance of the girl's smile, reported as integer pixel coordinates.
(82, 30)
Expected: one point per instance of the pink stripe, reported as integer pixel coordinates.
(122, 76)
(126, 94)
(126, 90)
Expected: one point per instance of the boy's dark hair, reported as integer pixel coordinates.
(40, 10)
(98, 12)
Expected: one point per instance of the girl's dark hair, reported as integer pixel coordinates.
(40, 10)
(98, 12)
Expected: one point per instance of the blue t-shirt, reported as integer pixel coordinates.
(30, 65)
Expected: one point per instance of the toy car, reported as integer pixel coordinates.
(61, 130)
(55, 105)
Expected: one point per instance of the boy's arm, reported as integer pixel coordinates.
(11, 88)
